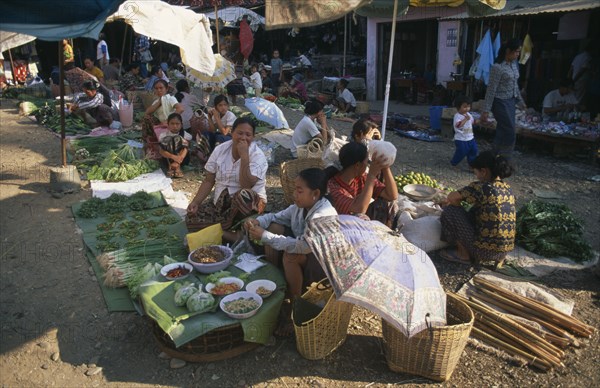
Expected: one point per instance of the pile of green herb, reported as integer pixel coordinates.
(121, 165)
(116, 204)
(551, 230)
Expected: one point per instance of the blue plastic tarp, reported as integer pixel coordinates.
(53, 20)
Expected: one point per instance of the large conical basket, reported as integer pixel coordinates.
(434, 352)
(327, 329)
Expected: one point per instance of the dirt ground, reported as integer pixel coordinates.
(55, 329)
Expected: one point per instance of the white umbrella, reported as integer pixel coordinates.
(370, 266)
(230, 16)
(266, 111)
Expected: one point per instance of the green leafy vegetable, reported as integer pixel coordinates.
(551, 230)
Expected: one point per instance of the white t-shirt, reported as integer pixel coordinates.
(348, 97)
(464, 133)
(227, 171)
(304, 131)
(99, 53)
(256, 80)
(168, 106)
(304, 60)
(227, 120)
(554, 99)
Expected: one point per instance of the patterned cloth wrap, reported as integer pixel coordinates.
(228, 211)
(370, 265)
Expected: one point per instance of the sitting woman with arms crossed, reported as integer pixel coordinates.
(237, 170)
(307, 129)
(487, 231)
(352, 189)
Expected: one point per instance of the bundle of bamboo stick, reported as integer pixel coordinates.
(541, 349)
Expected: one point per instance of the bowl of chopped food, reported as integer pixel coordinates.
(241, 305)
(419, 192)
(211, 258)
(262, 287)
(225, 286)
(176, 271)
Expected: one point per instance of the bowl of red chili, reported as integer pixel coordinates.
(176, 271)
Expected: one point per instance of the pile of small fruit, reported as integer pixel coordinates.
(412, 178)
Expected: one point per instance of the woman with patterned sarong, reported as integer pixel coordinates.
(157, 114)
(237, 170)
(487, 231)
(352, 189)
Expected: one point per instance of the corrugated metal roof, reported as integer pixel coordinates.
(533, 7)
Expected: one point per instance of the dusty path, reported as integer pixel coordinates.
(55, 330)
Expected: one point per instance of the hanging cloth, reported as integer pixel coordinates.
(486, 58)
(526, 50)
(497, 44)
(246, 39)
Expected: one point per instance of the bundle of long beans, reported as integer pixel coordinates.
(538, 348)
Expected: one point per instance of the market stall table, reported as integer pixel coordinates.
(181, 331)
(563, 142)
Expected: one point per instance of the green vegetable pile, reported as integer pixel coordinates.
(551, 230)
(115, 204)
(121, 165)
(46, 115)
(290, 102)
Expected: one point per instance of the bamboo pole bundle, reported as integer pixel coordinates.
(552, 338)
(530, 359)
(517, 309)
(551, 313)
(513, 337)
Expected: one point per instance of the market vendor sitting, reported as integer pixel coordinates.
(237, 170)
(93, 70)
(307, 128)
(487, 231)
(94, 105)
(161, 108)
(174, 146)
(559, 101)
(283, 232)
(295, 88)
(352, 189)
(345, 101)
(364, 130)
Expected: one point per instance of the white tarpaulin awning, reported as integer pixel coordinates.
(9, 40)
(179, 26)
(535, 7)
(230, 16)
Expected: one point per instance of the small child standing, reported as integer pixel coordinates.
(276, 67)
(463, 132)
(173, 146)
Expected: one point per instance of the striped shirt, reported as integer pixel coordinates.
(504, 84)
(84, 102)
(343, 194)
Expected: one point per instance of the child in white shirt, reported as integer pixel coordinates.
(463, 132)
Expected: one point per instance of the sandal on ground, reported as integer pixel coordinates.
(170, 173)
(451, 256)
(178, 174)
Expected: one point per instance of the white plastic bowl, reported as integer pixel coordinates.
(165, 270)
(419, 192)
(255, 285)
(237, 295)
(227, 280)
(212, 267)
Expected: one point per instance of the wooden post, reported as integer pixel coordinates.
(123, 49)
(12, 67)
(217, 29)
(61, 71)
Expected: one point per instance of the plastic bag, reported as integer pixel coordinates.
(384, 148)
(200, 302)
(184, 293)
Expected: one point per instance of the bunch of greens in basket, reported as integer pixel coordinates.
(551, 230)
(121, 165)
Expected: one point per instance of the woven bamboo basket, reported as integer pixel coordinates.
(219, 344)
(314, 149)
(289, 171)
(434, 352)
(362, 107)
(320, 336)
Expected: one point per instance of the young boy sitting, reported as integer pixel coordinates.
(345, 100)
(173, 146)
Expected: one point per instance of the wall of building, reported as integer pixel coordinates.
(447, 49)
